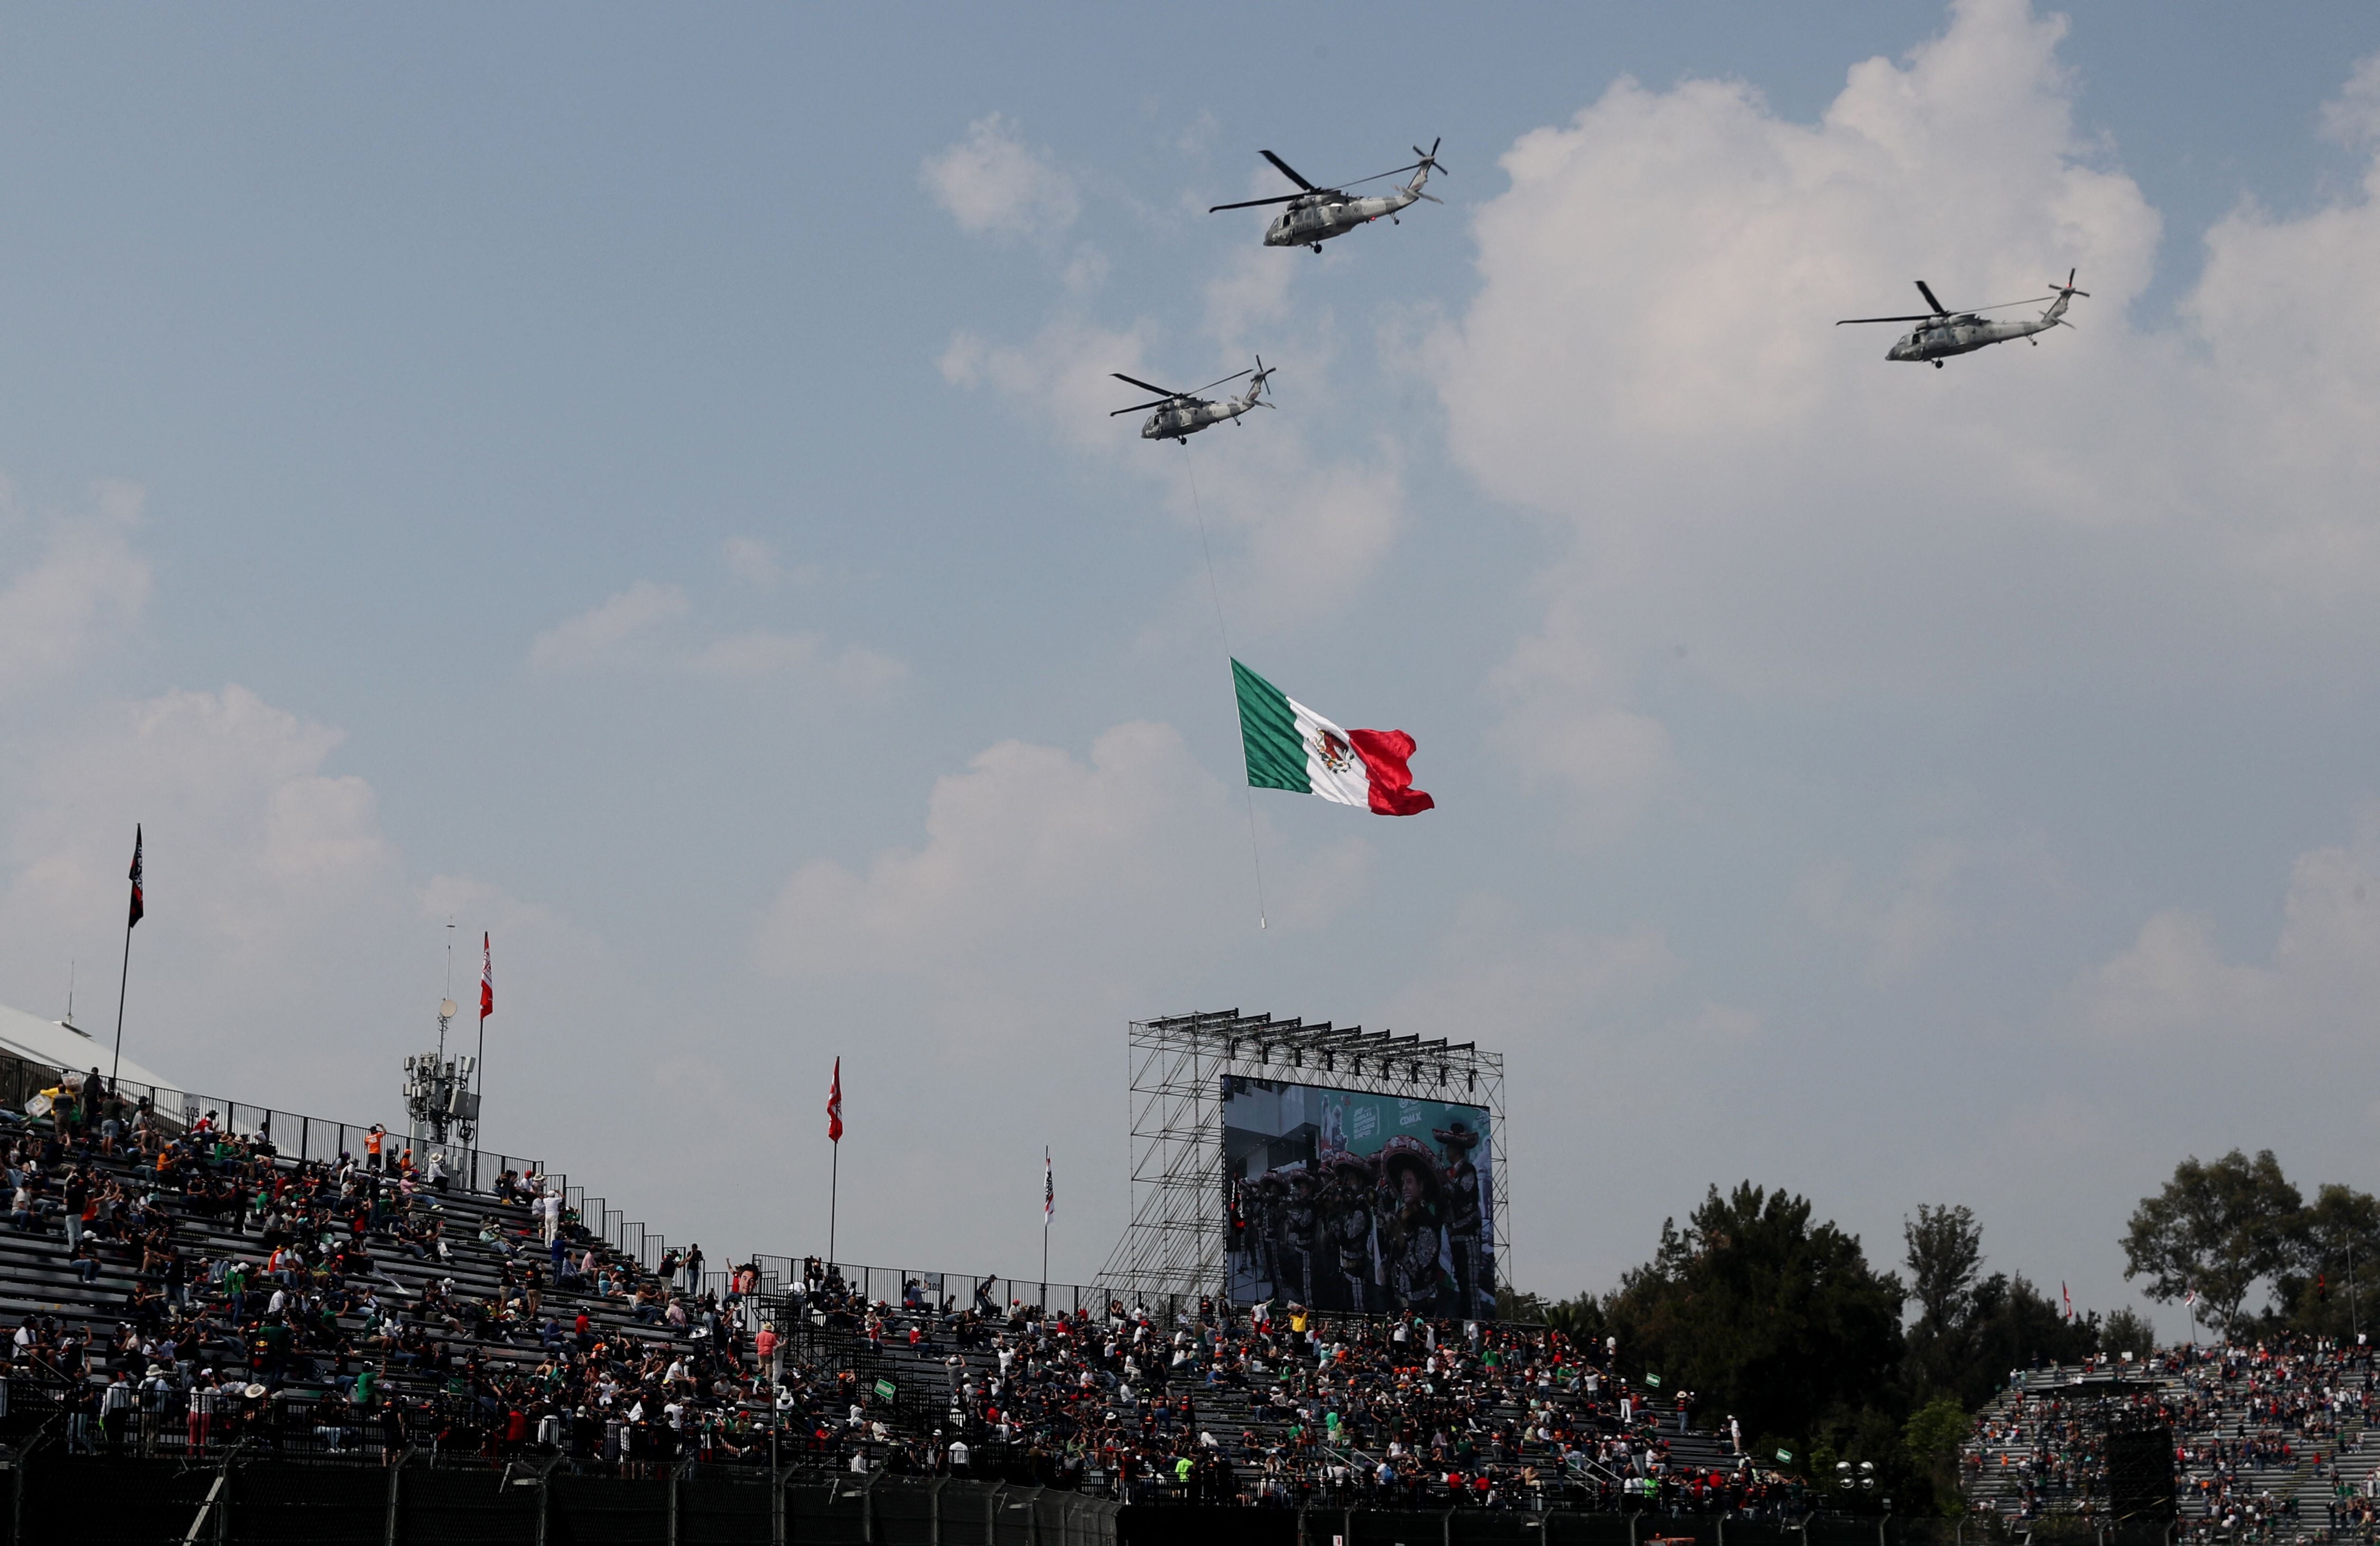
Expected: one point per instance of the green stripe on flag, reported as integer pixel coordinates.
(1276, 757)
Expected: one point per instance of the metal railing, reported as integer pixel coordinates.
(294, 1135)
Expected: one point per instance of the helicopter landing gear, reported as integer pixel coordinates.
(1937, 365)
(1318, 250)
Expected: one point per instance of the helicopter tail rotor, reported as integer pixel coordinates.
(1256, 385)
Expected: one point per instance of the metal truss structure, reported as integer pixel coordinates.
(1175, 1242)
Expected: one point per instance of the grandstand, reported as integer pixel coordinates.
(2268, 1439)
(219, 1317)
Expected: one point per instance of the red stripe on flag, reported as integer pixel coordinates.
(1384, 754)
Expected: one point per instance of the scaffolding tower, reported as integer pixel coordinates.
(1175, 1242)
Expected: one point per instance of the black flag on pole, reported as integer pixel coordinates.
(137, 908)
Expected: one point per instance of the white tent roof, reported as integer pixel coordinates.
(64, 1046)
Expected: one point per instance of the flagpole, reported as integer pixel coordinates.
(833, 1188)
(121, 983)
(131, 915)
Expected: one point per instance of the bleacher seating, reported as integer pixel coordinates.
(2266, 1436)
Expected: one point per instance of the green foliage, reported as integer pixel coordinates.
(2217, 1228)
(2335, 1267)
(1762, 1313)
(1931, 1440)
(2127, 1331)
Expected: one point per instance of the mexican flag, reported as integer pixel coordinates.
(1290, 747)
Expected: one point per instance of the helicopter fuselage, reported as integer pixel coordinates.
(1319, 218)
(1179, 420)
(1964, 333)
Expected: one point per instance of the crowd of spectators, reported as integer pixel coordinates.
(2267, 1437)
(353, 1303)
(364, 1304)
(1268, 1406)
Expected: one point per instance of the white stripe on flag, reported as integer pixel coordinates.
(1331, 766)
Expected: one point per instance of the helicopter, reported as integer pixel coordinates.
(1945, 332)
(1181, 415)
(1316, 214)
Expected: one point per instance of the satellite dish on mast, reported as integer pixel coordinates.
(446, 1008)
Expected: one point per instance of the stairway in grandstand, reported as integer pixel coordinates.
(35, 1278)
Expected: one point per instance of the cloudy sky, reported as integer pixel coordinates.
(641, 484)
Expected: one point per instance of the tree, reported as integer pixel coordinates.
(1932, 1439)
(2127, 1331)
(2217, 1228)
(1766, 1315)
(2015, 1325)
(1945, 1250)
(2335, 1248)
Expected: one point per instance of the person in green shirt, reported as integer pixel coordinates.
(367, 1389)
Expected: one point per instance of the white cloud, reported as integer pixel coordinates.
(2175, 990)
(1251, 290)
(1120, 873)
(88, 586)
(992, 183)
(1567, 726)
(1651, 360)
(2353, 117)
(755, 563)
(764, 653)
(601, 634)
(288, 955)
(1607, 1046)
(1899, 925)
(596, 636)
(1311, 532)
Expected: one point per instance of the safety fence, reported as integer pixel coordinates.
(414, 1500)
(420, 1500)
(293, 1134)
(916, 1288)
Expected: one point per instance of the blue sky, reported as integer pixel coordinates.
(641, 484)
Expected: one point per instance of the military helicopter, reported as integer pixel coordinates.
(1317, 215)
(1181, 415)
(1945, 332)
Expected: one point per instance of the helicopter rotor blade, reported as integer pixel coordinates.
(1431, 196)
(1212, 384)
(1286, 170)
(1252, 204)
(2004, 305)
(1939, 310)
(1921, 317)
(1145, 385)
(1430, 158)
(1144, 408)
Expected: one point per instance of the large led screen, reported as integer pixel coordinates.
(1345, 1200)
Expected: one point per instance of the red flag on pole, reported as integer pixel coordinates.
(137, 908)
(487, 977)
(2070, 1300)
(834, 1105)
